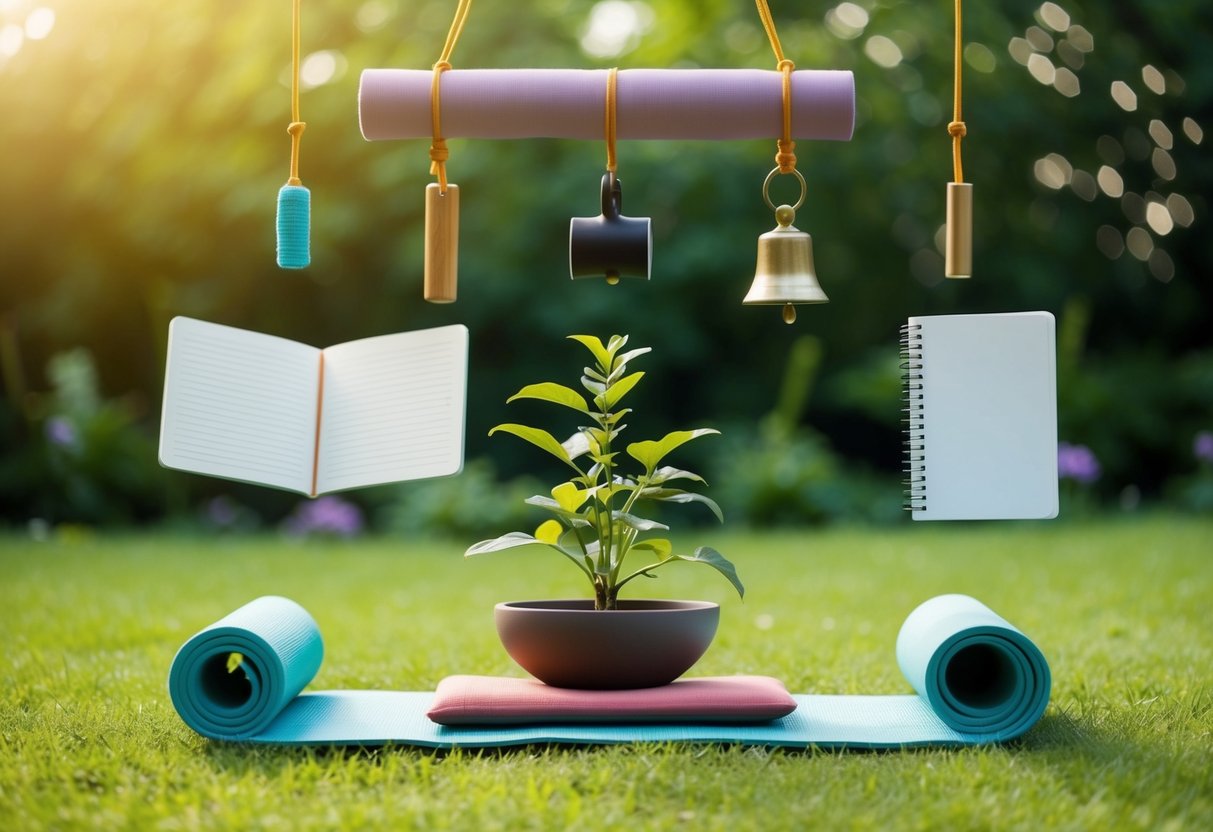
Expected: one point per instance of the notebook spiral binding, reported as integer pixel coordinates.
(913, 463)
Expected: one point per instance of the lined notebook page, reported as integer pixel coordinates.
(393, 408)
(989, 395)
(239, 405)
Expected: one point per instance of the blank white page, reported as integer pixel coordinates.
(239, 405)
(393, 408)
(989, 396)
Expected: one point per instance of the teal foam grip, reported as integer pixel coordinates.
(977, 680)
(294, 227)
(978, 673)
(225, 698)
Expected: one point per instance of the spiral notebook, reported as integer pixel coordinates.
(980, 408)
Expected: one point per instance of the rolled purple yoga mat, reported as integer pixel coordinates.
(569, 104)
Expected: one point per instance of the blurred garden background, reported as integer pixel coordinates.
(144, 144)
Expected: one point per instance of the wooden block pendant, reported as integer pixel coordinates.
(441, 243)
(958, 248)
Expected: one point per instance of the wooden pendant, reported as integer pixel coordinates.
(441, 243)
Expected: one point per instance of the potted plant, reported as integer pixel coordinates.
(606, 642)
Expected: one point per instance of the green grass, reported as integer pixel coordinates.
(1122, 610)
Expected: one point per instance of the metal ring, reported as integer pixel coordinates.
(766, 187)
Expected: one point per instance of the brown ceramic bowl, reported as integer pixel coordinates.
(642, 644)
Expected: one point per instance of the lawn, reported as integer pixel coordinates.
(88, 738)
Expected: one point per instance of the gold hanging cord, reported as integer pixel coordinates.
(958, 239)
(956, 128)
(611, 119)
(785, 158)
(438, 150)
(296, 127)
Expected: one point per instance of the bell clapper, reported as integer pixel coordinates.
(612, 278)
(789, 313)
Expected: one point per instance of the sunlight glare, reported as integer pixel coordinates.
(321, 67)
(1124, 96)
(1193, 131)
(846, 20)
(882, 51)
(39, 23)
(979, 56)
(11, 38)
(1153, 79)
(1055, 17)
(615, 26)
(1139, 243)
(1159, 218)
(1110, 182)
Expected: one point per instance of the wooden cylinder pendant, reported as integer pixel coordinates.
(441, 243)
(958, 249)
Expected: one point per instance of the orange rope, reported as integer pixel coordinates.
(785, 157)
(956, 127)
(296, 127)
(438, 150)
(611, 119)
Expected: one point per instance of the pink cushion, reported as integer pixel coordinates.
(495, 700)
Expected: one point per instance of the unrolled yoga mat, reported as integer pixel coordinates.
(977, 680)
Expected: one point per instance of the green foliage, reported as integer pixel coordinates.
(782, 473)
(594, 523)
(75, 457)
(473, 504)
(1129, 409)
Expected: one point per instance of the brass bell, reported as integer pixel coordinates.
(785, 274)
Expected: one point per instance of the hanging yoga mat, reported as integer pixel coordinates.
(976, 679)
(568, 103)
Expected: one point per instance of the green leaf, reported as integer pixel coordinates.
(666, 473)
(677, 495)
(620, 389)
(717, 561)
(576, 445)
(514, 540)
(657, 545)
(507, 541)
(548, 504)
(549, 532)
(640, 524)
(549, 391)
(650, 452)
(596, 388)
(537, 437)
(622, 360)
(569, 497)
(594, 374)
(595, 346)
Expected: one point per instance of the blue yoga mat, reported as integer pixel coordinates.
(976, 679)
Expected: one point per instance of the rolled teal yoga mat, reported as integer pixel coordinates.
(976, 679)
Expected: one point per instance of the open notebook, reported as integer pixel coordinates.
(247, 406)
(980, 395)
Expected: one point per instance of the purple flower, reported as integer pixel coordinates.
(1077, 462)
(1202, 446)
(222, 512)
(326, 515)
(60, 431)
